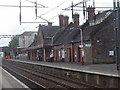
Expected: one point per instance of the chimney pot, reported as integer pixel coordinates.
(76, 19)
(91, 12)
(61, 20)
(66, 20)
(49, 23)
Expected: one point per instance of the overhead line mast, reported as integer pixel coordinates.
(36, 7)
(82, 6)
(20, 8)
(20, 13)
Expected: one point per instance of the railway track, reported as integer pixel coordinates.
(31, 84)
(32, 80)
(44, 80)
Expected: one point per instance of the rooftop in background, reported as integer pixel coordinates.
(28, 33)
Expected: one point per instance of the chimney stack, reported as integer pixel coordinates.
(91, 12)
(63, 21)
(76, 19)
(49, 23)
(66, 20)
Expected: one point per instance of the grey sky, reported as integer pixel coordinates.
(9, 16)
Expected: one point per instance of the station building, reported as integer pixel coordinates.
(92, 42)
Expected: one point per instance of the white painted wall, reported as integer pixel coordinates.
(26, 40)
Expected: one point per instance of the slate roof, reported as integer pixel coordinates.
(49, 31)
(65, 36)
(27, 33)
(107, 24)
(5, 49)
(86, 34)
(103, 14)
(72, 34)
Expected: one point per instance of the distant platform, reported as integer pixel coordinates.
(101, 69)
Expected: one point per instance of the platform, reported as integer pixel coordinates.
(101, 69)
(9, 81)
(99, 75)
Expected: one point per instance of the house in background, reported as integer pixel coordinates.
(5, 52)
(26, 39)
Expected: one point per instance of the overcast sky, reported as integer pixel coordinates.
(9, 16)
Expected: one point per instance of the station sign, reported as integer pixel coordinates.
(88, 45)
(80, 46)
(111, 53)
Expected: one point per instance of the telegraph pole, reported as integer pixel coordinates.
(36, 9)
(72, 11)
(20, 13)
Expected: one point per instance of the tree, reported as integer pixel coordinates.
(13, 44)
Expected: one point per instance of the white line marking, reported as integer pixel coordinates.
(15, 78)
(32, 80)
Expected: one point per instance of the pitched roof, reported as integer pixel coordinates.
(49, 31)
(66, 35)
(72, 34)
(27, 33)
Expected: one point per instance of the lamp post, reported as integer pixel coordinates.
(52, 46)
(81, 46)
(81, 36)
(81, 39)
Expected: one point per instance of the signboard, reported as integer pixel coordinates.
(87, 45)
(82, 52)
(111, 53)
(81, 46)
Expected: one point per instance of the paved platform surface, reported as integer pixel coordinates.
(102, 69)
(9, 81)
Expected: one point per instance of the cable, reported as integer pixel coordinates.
(36, 3)
(56, 15)
(47, 13)
(53, 8)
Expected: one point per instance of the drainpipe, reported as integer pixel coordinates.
(44, 54)
(72, 50)
(117, 30)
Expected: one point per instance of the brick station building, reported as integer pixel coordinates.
(97, 37)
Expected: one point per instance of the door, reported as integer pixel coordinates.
(80, 55)
(69, 55)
